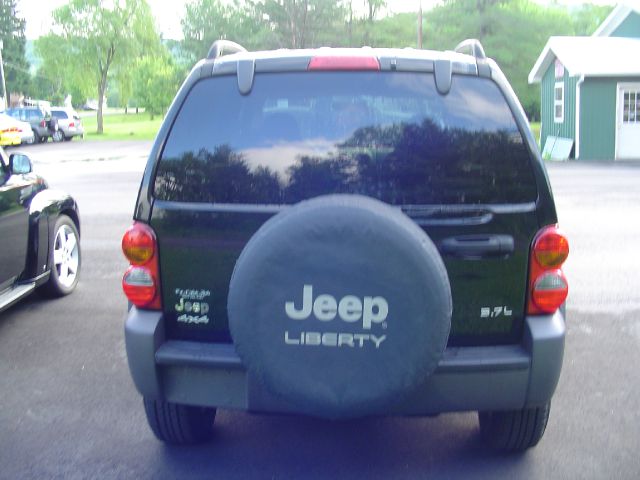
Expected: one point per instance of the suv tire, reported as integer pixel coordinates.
(58, 136)
(345, 245)
(179, 424)
(514, 431)
(64, 257)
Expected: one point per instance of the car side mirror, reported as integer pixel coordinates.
(20, 164)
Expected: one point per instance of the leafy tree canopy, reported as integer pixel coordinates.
(16, 67)
(100, 37)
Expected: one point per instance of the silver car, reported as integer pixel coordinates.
(69, 124)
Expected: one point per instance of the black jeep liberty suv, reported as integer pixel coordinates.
(344, 233)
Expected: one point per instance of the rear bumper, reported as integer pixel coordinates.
(506, 377)
(28, 138)
(9, 139)
(73, 131)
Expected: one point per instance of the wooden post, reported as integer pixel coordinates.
(5, 96)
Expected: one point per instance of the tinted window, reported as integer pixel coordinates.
(59, 114)
(386, 135)
(17, 113)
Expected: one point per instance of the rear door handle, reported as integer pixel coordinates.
(477, 246)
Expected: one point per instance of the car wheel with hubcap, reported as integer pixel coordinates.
(64, 259)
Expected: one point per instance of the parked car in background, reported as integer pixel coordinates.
(40, 119)
(69, 124)
(40, 232)
(9, 131)
(24, 129)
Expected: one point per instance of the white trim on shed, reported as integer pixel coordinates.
(590, 56)
(634, 135)
(558, 101)
(614, 20)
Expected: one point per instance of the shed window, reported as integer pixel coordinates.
(631, 110)
(558, 102)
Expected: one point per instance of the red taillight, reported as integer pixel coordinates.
(139, 286)
(139, 244)
(344, 63)
(549, 291)
(551, 248)
(71, 124)
(141, 281)
(548, 287)
(43, 123)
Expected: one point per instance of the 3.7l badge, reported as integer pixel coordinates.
(494, 312)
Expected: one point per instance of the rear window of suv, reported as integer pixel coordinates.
(388, 135)
(60, 114)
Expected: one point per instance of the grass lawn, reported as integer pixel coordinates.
(535, 129)
(123, 127)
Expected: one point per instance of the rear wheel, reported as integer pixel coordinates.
(179, 424)
(58, 136)
(514, 431)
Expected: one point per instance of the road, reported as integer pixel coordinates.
(68, 408)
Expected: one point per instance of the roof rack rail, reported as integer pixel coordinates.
(221, 47)
(472, 44)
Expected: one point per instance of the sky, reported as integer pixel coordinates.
(168, 13)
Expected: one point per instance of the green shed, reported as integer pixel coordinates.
(590, 90)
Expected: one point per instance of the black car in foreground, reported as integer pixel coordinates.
(344, 233)
(39, 231)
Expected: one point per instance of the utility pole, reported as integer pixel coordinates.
(420, 24)
(5, 103)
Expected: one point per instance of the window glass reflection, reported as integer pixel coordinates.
(303, 134)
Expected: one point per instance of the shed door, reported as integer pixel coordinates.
(628, 134)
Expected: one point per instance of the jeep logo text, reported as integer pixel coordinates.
(350, 308)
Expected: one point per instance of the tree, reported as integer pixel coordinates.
(102, 36)
(394, 31)
(302, 23)
(512, 32)
(155, 84)
(206, 21)
(588, 18)
(373, 7)
(57, 76)
(16, 67)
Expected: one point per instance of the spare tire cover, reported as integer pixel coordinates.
(340, 305)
